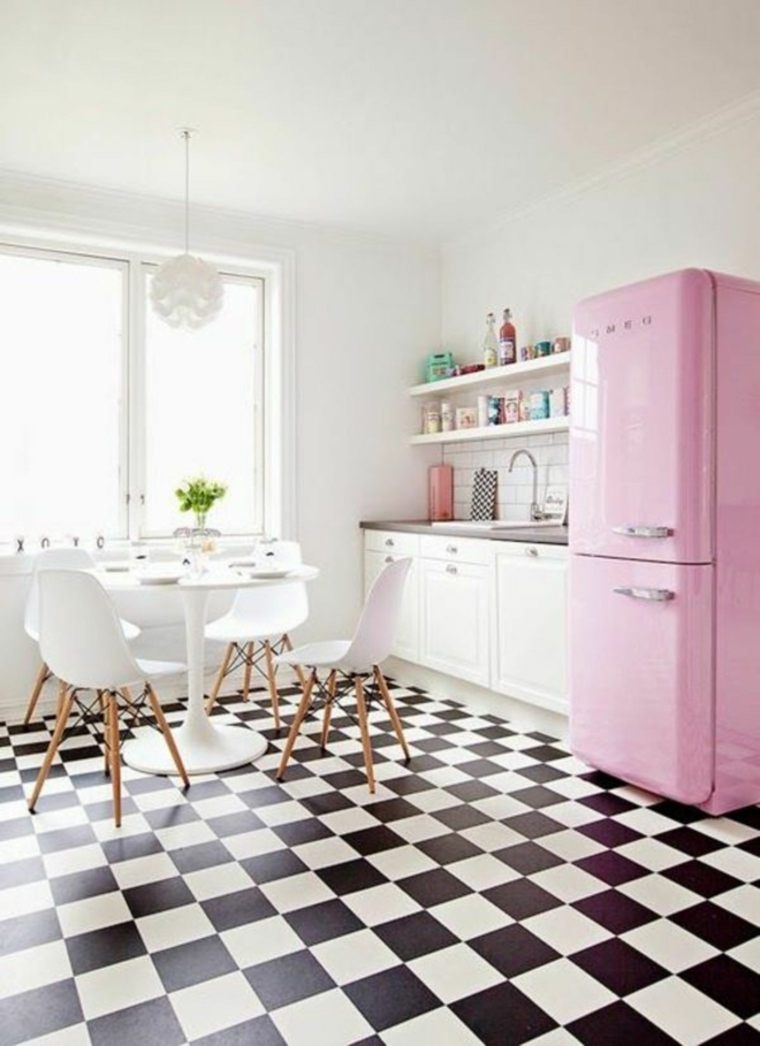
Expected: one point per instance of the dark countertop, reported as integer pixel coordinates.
(534, 535)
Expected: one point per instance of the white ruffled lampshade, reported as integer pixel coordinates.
(187, 292)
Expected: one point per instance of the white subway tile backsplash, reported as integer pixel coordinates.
(515, 489)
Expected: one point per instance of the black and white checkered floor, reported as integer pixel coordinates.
(493, 890)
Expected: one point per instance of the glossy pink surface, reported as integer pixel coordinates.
(666, 431)
(641, 425)
(641, 671)
(737, 596)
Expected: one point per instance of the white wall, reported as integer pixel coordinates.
(696, 205)
(693, 204)
(365, 311)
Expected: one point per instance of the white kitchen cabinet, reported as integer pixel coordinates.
(454, 618)
(489, 612)
(407, 637)
(529, 638)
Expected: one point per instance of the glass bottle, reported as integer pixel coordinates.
(507, 340)
(490, 343)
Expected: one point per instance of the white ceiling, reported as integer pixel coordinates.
(413, 118)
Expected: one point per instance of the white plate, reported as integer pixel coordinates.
(266, 572)
(160, 577)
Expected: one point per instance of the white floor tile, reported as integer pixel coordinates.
(211, 1006)
(327, 1019)
(93, 913)
(455, 972)
(470, 916)
(118, 986)
(563, 990)
(565, 930)
(439, 1026)
(269, 939)
(354, 955)
(297, 891)
(669, 945)
(33, 968)
(380, 904)
(173, 927)
(683, 1012)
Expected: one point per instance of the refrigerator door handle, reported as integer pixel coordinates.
(630, 530)
(654, 595)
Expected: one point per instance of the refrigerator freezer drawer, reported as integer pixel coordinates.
(641, 673)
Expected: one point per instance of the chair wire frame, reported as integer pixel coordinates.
(370, 689)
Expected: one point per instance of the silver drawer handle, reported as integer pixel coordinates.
(389, 542)
(452, 549)
(451, 569)
(531, 551)
(632, 531)
(654, 595)
(389, 559)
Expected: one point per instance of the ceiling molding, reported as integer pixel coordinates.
(33, 202)
(723, 119)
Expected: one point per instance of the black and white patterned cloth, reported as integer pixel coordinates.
(493, 890)
(484, 494)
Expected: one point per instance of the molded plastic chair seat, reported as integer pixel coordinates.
(317, 655)
(130, 631)
(354, 665)
(82, 641)
(249, 627)
(55, 559)
(257, 627)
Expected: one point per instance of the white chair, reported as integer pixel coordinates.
(350, 664)
(257, 627)
(54, 559)
(82, 640)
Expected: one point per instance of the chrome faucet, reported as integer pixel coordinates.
(535, 512)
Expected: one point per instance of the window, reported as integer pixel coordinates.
(105, 410)
(203, 412)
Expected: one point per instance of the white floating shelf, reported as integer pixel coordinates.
(517, 428)
(511, 375)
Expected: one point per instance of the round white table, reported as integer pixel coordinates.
(204, 746)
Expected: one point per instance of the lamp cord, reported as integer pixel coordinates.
(186, 136)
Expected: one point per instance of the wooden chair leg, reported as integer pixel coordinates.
(114, 741)
(34, 697)
(249, 649)
(331, 684)
(361, 709)
(389, 704)
(303, 708)
(274, 693)
(62, 688)
(298, 669)
(104, 708)
(220, 677)
(55, 740)
(158, 712)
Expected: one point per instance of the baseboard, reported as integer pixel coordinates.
(526, 717)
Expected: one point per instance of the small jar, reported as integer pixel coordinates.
(431, 419)
(447, 417)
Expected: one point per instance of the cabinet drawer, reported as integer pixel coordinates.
(456, 550)
(537, 551)
(395, 542)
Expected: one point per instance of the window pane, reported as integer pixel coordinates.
(202, 418)
(60, 396)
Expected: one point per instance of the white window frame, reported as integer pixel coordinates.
(275, 409)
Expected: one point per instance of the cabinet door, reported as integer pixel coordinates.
(407, 635)
(454, 608)
(531, 625)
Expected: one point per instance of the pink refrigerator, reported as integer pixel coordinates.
(665, 537)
